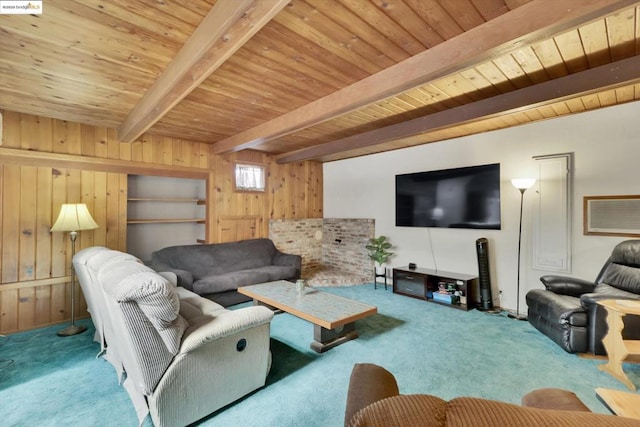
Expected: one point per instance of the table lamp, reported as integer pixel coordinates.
(73, 217)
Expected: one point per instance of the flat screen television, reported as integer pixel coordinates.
(467, 197)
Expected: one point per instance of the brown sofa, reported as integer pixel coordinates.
(374, 400)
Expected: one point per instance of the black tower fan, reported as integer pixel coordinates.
(486, 300)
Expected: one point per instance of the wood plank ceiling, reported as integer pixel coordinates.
(318, 79)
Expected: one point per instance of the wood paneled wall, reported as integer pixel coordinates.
(294, 191)
(35, 264)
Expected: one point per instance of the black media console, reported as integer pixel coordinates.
(442, 287)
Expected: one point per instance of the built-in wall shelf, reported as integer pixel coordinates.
(166, 200)
(164, 211)
(165, 221)
(169, 200)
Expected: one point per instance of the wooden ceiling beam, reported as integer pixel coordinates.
(15, 156)
(608, 76)
(225, 29)
(531, 22)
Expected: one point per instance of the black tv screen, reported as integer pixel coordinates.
(467, 197)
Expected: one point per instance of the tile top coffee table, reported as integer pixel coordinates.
(618, 348)
(333, 316)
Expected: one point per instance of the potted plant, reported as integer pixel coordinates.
(378, 248)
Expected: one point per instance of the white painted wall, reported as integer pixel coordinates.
(606, 146)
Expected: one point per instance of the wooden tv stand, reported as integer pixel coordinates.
(423, 283)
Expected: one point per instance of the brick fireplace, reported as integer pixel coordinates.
(332, 249)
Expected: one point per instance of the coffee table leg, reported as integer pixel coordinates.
(326, 339)
(616, 349)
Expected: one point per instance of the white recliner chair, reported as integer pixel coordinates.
(179, 356)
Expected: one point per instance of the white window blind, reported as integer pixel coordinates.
(250, 177)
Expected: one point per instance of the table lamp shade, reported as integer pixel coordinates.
(74, 217)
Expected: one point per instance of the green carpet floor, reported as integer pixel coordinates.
(46, 380)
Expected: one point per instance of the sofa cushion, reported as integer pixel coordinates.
(623, 271)
(192, 306)
(404, 410)
(130, 281)
(623, 277)
(606, 291)
(243, 255)
(233, 280)
(476, 412)
(218, 258)
(100, 260)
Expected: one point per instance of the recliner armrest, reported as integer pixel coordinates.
(368, 383)
(211, 328)
(555, 399)
(567, 285)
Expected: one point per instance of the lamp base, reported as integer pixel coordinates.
(517, 316)
(71, 330)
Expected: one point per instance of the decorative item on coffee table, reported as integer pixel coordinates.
(378, 248)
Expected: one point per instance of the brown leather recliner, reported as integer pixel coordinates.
(567, 310)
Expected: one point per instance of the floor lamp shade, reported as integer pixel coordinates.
(73, 217)
(523, 183)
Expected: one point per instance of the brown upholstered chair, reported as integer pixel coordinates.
(373, 400)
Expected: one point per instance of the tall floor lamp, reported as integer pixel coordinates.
(522, 184)
(73, 217)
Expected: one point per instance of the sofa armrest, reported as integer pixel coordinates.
(210, 328)
(554, 398)
(567, 285)
(281, 258)
(369, 383)
(223, 358)
(185, 278)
